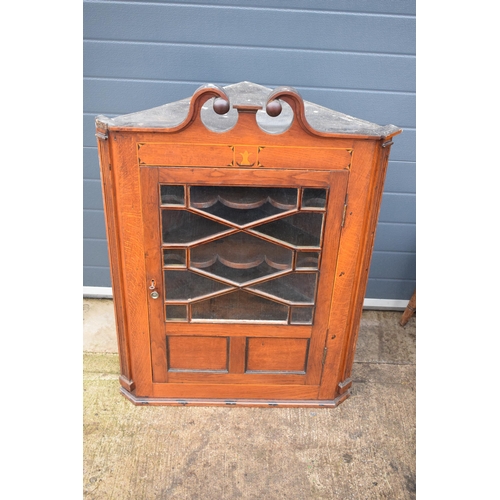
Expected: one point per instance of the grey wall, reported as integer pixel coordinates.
(357, 57)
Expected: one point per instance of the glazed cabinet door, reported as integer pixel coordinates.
(240, 269)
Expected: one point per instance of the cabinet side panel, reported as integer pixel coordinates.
(381, 159)
(134, 285)
(351, 276)
(112, 233)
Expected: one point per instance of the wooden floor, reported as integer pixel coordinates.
(364, 449)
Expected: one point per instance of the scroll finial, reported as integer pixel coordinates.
(273, 108)
(294, 99)
(202, 95)
(221, 106)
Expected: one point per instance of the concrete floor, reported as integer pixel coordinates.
(364, 449)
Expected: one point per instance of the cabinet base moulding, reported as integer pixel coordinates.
(345, 385)
(264, 403)
(127, 384)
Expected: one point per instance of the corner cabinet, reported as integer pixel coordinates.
(240, 226)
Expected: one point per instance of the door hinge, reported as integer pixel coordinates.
(325, 350)
(101, 135)
(345, 211)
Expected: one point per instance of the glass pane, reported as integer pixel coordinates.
(314, 198)
(181, 227)
(241, 257)
(174, 257)
(172, 195)
(307, 260)
(300, 230)
(296, 288)
(239, 305)
(186, 285)
(224, 262)
(302, 316)
(243, 205)
(241, 275)
(176, 312)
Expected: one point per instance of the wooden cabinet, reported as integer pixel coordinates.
(240, 227)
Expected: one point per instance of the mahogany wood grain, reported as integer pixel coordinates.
(276, 355)
(304, 157)
(326, 286)
(189, 377)
(149, 197)
(113, 238)
(244, 177)
(374, 201)
(237, 355)
(233, 391)
(239, 330)
(349, 263)
(409, 309)
(131, 251)
(198, 353)
(237, 155)
(225, 360)
(187, 155)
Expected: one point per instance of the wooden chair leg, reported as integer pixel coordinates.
(410, 309)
